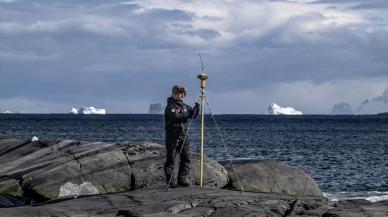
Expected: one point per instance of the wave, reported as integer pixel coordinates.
(372, 196)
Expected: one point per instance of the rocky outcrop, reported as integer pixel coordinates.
(358, 208)
(111, 179)
(194, 201)
(37, 170)
(5, 136)
(9, 201)
(273, 177)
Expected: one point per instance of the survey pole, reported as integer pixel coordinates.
(202, 77)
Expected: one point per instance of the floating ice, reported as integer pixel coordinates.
(7, 112)
(74, 111)
(34, 139)
(88, 110)
(275, 109)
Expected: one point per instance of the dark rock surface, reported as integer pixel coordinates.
(273, 177)
(358, 208)
(37, 170)
(9, 201)
(5, 136)
(194, 201)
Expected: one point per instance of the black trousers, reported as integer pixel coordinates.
(173, 147)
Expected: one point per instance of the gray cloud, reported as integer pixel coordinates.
(167, 15)
(372, 5)
(123, 56)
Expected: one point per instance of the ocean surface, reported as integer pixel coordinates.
(346, 155)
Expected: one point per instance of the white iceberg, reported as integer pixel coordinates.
(88, 111)
(7, 112)
(275, 109)
(74, 111)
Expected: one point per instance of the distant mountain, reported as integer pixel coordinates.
(156, 108)
(375, 105)
(342, 108)
(275, 109)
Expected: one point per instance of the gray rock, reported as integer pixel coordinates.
(37, 170)
(5, 136)
(215, 174)
(9, 201)
(194, 201)
(10, 187)
(191, 201)
(273, 177)
(358, 208)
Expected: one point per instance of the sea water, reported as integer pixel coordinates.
(346, 155)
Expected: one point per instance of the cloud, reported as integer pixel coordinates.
(373, 5)
(24, 105)
(6, 1)
(309, 97)
(93, 24)
(114, 53)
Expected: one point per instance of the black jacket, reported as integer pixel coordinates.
(176, 115)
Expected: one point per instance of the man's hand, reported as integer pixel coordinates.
(196, 110)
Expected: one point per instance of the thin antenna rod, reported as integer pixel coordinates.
(201, 61)
(202, 77)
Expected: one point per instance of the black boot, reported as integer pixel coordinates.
(170, 181)
(182, 181)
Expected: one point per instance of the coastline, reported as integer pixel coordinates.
(130, 176)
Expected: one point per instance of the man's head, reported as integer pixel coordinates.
(178, 92)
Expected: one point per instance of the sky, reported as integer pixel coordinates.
(123, 55)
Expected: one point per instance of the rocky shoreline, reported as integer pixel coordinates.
(80, 178)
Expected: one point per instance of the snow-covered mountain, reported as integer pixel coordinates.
(375, 105)
(275, 109)
(342, 108)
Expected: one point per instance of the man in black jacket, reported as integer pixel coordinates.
(176, 117)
